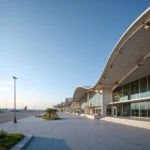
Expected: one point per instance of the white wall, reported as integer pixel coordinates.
(106, 99)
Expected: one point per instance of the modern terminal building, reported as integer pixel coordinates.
(88, 99)
(123, 89)
(67, 105)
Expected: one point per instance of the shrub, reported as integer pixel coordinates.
(51, 118)
(51, 112)
(3, 133)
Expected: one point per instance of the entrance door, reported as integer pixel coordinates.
(115, 111)
(119, 110)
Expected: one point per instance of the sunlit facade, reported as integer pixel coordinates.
(91, 103)
(138, 90)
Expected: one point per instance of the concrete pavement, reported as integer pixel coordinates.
(78, 133)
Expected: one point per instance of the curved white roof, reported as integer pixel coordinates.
(80, 91)
(131, 49)
(68, 101)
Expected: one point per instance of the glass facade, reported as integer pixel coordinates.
(97, 110)
(126, 110)
(138, 89)
(143, 87)
(117, 94)
(94, 99)
(83, 103)
(108, 111)
(135, 90)
(126, 92)
(91, 99)
(135, 109)
(148, 110)
(119, 110)
(141, 109)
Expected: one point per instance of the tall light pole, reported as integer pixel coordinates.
(15, 119)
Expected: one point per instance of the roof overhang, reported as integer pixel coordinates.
(132, 49)
(80, 92)
(68, 101)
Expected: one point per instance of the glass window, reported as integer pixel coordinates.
(143, 109)
(119, 110)
(97, 110)
(82, 111)
(94, 99)
(143, 87)
(83, 103)
(132, 109)
(117, 94)
(126, 109)
(135, 89)
(126, 92)
(135, 109)
(108, 111)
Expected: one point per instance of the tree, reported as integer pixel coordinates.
(49, 111)
(54, 111)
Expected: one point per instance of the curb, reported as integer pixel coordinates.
(23, 143)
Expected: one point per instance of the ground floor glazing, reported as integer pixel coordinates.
(91, 110)
(138, 109)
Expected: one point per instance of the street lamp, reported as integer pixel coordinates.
(15, 119)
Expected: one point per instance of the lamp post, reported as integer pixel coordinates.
(15, 119)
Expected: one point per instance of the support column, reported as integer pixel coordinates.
(106, 99)
(91, 111)
(88, 109)
(88, 98)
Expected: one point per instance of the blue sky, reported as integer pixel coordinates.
(53, 46)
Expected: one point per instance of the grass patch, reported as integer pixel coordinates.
(51, 118)
(10, 140)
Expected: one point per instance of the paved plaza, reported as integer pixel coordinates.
(78, 133)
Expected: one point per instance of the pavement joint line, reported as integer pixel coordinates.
(23, 143)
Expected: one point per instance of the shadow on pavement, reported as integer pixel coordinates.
(71, 118)
(42, 143)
